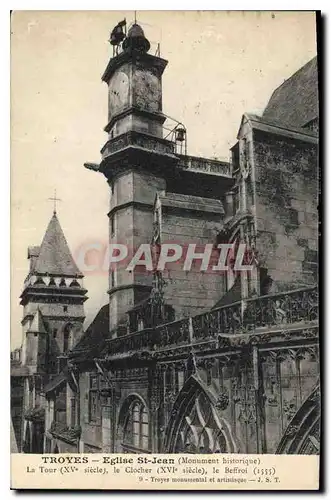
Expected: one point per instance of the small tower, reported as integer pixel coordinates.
(53, 298)
(135, 160)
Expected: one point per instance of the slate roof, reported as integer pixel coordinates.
(191, 202)
(54, 254)
(295, 102)
(37, 325)
(93, 339)
(231, 296)
(56, 382)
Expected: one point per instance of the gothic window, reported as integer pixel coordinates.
(235, 157)
(249, 193)
(176, 386)
(112, 226)
(200, 431)
(140, 324)
(168, 379)
(30, 393)
(112, 279)
(93, 400)
(180, 379)
(73, 412)
(236, 201)
(66, 339)
(136, 432)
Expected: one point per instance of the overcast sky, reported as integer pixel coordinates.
(220, 66)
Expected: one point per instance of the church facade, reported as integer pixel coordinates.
(188, 361)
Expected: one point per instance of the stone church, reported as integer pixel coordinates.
(183, 361)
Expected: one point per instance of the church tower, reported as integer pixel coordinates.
(134, 161)
(53, 298)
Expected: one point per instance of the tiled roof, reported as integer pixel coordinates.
(55, 256)
(295, 102)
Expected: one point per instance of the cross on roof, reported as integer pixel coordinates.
(54, 199)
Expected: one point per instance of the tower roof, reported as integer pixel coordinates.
(136, 40)
(54, 254)
(136, 30)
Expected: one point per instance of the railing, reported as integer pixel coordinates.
(291, 307)
(282, 308)
(205, 165)
(169, 334)
(139, 140)
(227, 319)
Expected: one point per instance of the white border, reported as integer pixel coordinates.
(5, 173)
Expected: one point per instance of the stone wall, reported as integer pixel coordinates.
(132, 213)
(286, 209)
(191, 292)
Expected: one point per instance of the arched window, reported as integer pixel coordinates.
(66, 339)
(199, 431)
(136, 433)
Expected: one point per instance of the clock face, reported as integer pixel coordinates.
(118, 93)
(147, 90)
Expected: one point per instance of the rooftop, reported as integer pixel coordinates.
(295, 102)
(54, 255)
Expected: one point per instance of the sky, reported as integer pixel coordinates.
(221, 65)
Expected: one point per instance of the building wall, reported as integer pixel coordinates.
(254, 393)
(191, 292)
(54, 310)
(286, 209)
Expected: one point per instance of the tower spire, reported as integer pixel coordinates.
(54, 199)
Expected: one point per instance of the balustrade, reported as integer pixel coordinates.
(205, 165)
(297, 306)
(139, 140)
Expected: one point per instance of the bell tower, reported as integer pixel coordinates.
(135, 159)
(135, 87)
(53, 300)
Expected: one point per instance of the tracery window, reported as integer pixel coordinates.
(136, 428)
(93, 399)
(66, 339)
(200, 431)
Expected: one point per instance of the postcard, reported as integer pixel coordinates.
(164, 248)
